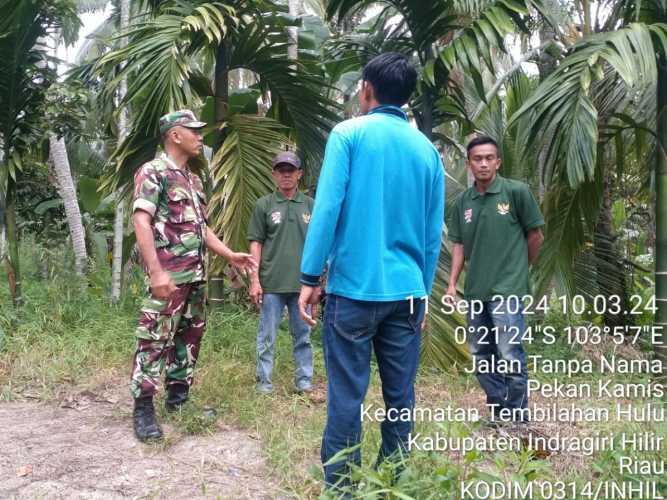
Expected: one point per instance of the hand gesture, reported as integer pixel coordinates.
(244, 262)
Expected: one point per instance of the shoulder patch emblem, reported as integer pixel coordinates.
(306, 217)
(503, 208)
(276, 217)
(467, 215)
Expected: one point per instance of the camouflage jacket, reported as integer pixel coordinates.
(176, 200)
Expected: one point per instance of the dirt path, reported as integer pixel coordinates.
(86, 449)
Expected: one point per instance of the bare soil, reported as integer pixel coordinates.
(84, 447)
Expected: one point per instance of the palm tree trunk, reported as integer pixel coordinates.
(427, 113)
(61, 167)
(661, 213)
(293, 32)
(546, 64)
(13, 270)
(119, 216)
(611, 278)
(426, 125)
(586, 10)
(216, 284)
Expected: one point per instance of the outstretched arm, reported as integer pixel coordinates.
(244, 261)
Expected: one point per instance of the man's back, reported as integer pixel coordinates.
(382, 186)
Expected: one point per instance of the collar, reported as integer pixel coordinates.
(298, 197)
(170, 163)
(389, 110)
(494, 188)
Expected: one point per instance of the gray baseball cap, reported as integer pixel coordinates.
(286, 157)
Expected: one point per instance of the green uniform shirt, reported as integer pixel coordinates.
(280, 225)
(492, 228)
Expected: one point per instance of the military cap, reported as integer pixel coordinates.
(183, 117)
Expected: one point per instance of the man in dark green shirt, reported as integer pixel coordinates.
(277, 232)
(495, 226)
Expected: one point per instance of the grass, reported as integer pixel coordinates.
(68, 337)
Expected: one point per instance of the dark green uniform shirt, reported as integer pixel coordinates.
(492, 228)
(280, 225)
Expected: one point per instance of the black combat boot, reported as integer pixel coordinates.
(177, 395)
(145, 426)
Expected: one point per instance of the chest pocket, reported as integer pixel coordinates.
(180, 204)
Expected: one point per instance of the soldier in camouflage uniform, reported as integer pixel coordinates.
(170, 222)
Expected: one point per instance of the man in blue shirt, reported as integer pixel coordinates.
(377, 224)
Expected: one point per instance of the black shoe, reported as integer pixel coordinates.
(145, 426)
(177, 395)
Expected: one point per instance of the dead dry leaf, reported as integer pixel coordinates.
(24, 470)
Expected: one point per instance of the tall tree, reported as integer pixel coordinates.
(59, 160)
(451, 43)
(167, 60)
(24, 78)
(63, 173)
(294, 7)
(610, 79)
(661, 203)
(123, 128)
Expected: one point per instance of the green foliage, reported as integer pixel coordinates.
(564, 117)
(168, 62)
(89, 345)
(65, 109)
(431, 475)
(241, 172)
(27, 72)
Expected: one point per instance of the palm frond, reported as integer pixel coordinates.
(298, 98)
(439, 346)
(27, 72)
(159, 63)
(570, 216)
(426, 22)
(564, 100)
(473, 44)
(157, 57)
(241, 174)
(86, 6)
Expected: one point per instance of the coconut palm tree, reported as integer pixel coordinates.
(451, 43)
(63, 174)
(608, 87)
(180, 54)
(123, 130)
(118, 22)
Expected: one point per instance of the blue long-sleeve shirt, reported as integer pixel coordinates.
(379, 210)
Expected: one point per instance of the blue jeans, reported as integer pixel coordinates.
(353, 328)
(271, 314)
(496, 334)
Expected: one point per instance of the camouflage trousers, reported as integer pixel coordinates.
(169, 333)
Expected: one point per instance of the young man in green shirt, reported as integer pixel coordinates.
(495, 226)
(277, 232)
